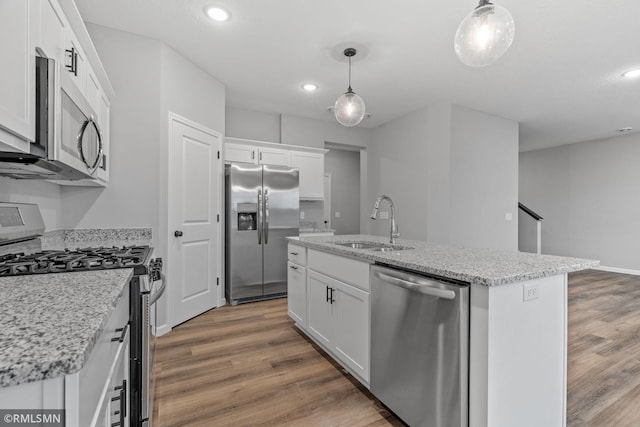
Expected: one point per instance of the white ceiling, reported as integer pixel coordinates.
(561, 78)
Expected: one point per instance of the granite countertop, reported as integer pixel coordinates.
(50, 322)
(316, 230)
(487, 267)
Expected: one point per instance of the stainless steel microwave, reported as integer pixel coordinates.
(68, 143)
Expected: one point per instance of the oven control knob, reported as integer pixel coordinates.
(177, 233)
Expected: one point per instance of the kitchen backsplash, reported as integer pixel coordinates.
(85, 237)
(313, 213)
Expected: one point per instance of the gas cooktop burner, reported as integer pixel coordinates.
(77, 260)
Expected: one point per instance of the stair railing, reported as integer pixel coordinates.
(538, 219)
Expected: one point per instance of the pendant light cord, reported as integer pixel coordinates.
(349, 90)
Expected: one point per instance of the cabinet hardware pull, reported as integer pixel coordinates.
(332, 300)
(294, 267)
(293, 253)
(178, 233)
(253, 154)
(123, 332)
(261, 156)
(327, 293)
(73, 67)
(123, 405)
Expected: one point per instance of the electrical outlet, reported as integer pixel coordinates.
(384, 215)
(508, 216)
(301, 214)
(530, 291)
(338, 214)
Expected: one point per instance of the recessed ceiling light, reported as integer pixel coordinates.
(624, 130)
(310, 87)
(632, 73)
(217, 13)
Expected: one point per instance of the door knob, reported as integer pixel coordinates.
(177, 233)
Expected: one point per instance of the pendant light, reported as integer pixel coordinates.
(349, 108)
(484, 35)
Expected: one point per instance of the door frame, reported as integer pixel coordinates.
(327, 199)
(167, 227)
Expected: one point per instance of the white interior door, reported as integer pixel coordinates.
(194, 228)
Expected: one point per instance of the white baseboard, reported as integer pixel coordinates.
(618, 270)
(163, 329)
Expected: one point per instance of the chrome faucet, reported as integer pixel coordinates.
(393, 230)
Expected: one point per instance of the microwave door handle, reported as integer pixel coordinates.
(92, 167)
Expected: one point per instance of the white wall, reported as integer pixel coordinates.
(44, 194)
(396, 167)
(155, 81)
(452, 173)
(483, 180)
(344, 167)
(314, 133)
(254, 125)
(587, 194)
(131, 199)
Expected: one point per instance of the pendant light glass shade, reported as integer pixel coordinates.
(349, 109)
(484, 35)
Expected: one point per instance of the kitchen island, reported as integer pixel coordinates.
(517, 317)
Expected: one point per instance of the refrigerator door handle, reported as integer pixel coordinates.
(259, 222)
(266, 216)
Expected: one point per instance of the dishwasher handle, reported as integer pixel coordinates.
(417, 287)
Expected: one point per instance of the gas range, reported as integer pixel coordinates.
(21, 254)
(85, 259)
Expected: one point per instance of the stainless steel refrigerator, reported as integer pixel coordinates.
(262, 209)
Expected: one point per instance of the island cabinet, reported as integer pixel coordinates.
(297, 284)
(337, 308)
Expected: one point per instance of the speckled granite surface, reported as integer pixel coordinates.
(90, 237)
(483, 266)
(49, 323)
(316, 230)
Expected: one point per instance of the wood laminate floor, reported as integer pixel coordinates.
(249, 366)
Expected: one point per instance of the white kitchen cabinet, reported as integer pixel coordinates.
(240, 153)
(273, 156)
(311, 167)
(17, 85)
(75, 62)
(339, 320)
(297, 284)
(96, 395)
(321, 322)
(255, 155)
(338, 309)
(53, 31)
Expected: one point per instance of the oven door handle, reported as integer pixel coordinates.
(156, 296)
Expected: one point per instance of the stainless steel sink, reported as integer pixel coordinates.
(373, 246)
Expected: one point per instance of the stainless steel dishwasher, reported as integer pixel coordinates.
(420, 347)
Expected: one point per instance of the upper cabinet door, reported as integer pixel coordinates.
(53, 31)
(273, 156)
(17, 85)
(311, 167)
(75, 62)
(240, 153)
